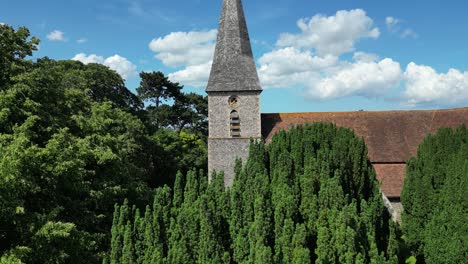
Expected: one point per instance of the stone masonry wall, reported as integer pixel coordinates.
(222, 154)
(219, 114)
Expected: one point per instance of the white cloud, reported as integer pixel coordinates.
(82, 40)
(192, 50)
(409, 33)
(92, 58)
(364, 56)
(288, 66)
(331, 35)
(2, 24)
(327, 77)
(311, 62)
(195, 75)
(392, 23)
(56, 35)
(364, 78)
(121, 65)
(117, 63)
(185, 48)
(425, 86)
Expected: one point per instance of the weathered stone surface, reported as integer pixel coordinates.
(248, 109)
(222, 154)
(233, 66)
(233, 75)
(394, 208)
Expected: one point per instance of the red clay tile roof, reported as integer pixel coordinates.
(391, 177)
(392, 137)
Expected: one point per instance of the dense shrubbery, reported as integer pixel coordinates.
(435, 201)
(309, 196)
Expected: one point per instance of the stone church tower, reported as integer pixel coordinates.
(233, 94)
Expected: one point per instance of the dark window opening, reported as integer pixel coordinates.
(235, 124)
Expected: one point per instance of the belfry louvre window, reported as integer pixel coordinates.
(235, 124)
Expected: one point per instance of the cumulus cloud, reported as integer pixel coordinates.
(91, 58)
(117, 63)
(364, 56)
(195, 75)
(333, 34)
(312, 62)
(364, 78)
(288, 66)
(185, 48)
(56, 35)
(424, 86)
(2, 24)
(327, 77)
(82, 40)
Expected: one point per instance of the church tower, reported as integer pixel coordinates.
(233, 94)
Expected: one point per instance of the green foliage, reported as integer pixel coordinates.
(310, 196)
(434, 198)
(178, 125)
(169, 107)
(177, 151)
(15, 256)
(15, 46)
(74, 141)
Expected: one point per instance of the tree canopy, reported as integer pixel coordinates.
(434, 198)
(309, 196)
(73, 142)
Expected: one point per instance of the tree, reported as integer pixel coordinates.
(178, 124)
(66, 156)
(155, 88)
(15, 46)
(434, 199)
(309, 196)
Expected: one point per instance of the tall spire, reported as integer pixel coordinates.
(233, 66)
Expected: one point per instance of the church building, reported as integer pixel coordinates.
(233, 89)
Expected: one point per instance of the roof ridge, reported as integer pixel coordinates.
(370, 111)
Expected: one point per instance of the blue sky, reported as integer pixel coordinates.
(311, 55)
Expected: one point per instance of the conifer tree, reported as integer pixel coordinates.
(214, 240)
(434, 198)
(301, 253)
(309, 196)
(128, 256)
(116, 245)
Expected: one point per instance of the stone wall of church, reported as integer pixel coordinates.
(394, 208)
(223, 148)
(222, 154)
(219, 112)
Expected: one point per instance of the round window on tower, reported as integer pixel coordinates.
(233, 101)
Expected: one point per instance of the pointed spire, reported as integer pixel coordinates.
(233, 66)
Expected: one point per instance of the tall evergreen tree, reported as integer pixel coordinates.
(434, 198)
(309, 196)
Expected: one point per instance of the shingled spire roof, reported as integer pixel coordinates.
(233, 66)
